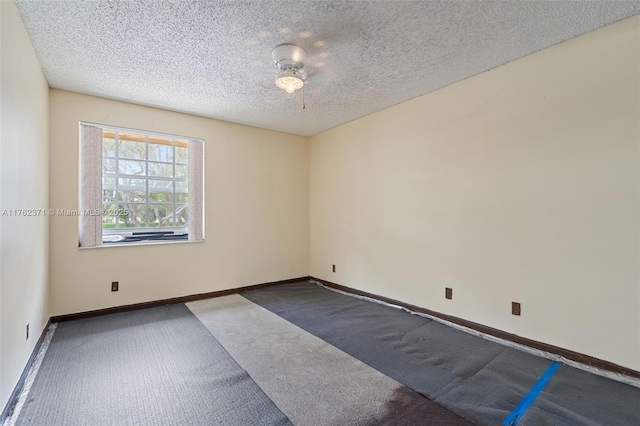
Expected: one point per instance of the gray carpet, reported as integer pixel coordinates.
(312, 382)
(157, 366)
(480, 380)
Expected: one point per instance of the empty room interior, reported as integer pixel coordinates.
(320, 212)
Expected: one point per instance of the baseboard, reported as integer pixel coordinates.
(566, 353)
(13, 398)
(182, 299)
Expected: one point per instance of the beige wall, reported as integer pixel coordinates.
(520, 184)
(24, 185)
(256, 211)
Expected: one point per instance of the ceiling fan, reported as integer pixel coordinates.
(289, 59)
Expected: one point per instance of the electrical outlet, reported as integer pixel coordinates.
(448, 293)
(515, 308)
(27, 331)
(333, 267)
(114, 286)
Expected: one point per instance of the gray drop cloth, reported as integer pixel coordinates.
(157, 366)
(576, 397)
(480, 380)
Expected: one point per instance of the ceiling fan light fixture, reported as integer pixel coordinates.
(289, 81)
(289, 59)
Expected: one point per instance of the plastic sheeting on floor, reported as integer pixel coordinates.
(480, 380)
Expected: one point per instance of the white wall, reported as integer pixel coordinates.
(519, 184)
(24, 185)
(256, 211)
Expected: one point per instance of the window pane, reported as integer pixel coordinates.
(132, 184)
(144, 181)
(132, 196)
(136, 217)
(108, 147)
(165, 196)
(160, 215)
(161, 170)
(108, 166)
(182, 197)
(160, 185)
(162, 152)
(182, 155)
(128, 167)
(182, 216)
(108, 196)
(181, 171)
(108, 217)
(132, 145)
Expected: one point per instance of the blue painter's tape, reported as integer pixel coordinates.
(513, 418)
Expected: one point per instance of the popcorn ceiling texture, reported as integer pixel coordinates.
(213, 58)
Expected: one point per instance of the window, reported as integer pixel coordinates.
(148, 186)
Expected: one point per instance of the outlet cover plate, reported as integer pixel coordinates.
(515, 308)
(448, 293)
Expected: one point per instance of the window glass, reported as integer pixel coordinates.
(144, 185)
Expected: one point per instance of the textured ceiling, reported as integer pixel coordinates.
(213, 58)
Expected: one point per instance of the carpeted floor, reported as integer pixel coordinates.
(305, 355)
(157, 366)
(312, 382)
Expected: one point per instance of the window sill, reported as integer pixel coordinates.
(141, 243)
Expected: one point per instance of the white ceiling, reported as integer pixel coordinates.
(213, 58)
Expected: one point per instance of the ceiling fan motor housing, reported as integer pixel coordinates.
(289, 56)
